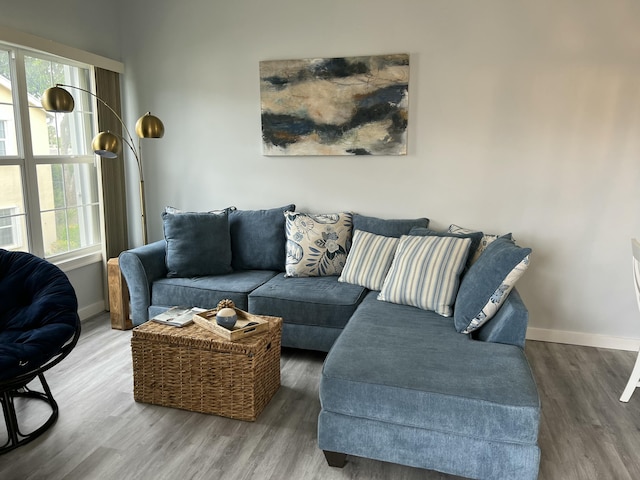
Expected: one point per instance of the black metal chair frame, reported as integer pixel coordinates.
(17, 388)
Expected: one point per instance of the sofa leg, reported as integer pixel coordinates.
(335, 459)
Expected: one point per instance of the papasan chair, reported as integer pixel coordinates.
(39, 326)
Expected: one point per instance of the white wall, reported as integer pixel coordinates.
(524, 117)
(89, 26)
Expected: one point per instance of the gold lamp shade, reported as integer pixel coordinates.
(58, 100)
(106, 144)
(149, 126)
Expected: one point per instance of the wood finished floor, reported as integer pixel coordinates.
(102, 433)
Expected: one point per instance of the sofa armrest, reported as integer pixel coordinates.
(140, 267)
(509, 324)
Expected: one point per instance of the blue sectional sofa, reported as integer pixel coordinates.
(400, 383)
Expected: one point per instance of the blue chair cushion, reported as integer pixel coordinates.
(38, 312)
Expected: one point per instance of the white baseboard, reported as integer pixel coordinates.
(91, 310)
(584, 339)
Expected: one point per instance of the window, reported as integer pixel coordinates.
(3, 137)
(49, 196)
(9, 230)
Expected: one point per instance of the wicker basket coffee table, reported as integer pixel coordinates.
(194, 369)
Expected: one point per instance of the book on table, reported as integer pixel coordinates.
(178, 316)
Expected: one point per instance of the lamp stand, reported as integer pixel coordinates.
(143, 202)
(106, 144)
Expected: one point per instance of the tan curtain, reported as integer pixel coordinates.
(113, 186)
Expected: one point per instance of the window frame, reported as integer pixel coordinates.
(28, 162)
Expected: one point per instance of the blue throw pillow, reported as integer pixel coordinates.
(387, 228)
(198, 244)
(258, 240)
(488, 282)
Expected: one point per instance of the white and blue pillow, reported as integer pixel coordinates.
(317, 245)
(369, 260)
(484, 242)
(425, 272)
(488, 282)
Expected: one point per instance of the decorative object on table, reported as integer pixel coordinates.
(634, 379)
(192, 369)
(335, 106)
(226, 303)
(107, 144)
(178, 316)
(245, 324)
(227, 318)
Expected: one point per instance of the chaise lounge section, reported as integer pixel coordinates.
(402, 385)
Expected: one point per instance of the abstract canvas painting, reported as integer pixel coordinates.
(335, 106)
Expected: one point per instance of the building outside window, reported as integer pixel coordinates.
(3, 137)
(9, 231)
(49, 196)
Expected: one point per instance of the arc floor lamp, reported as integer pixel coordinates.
(106, 144)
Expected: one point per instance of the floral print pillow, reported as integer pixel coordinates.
(484, 243)
(317, 245)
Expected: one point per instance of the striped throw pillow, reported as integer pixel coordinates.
(369, 260)
(425, 273)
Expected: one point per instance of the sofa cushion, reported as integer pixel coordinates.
(488, 283)
(475, 237)
(317, 245)
(425, 272)
(258, 241)
(197, 243)
(369, 260)
(207, 291)
(401, 365)
(387, 227)
(319, 301)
